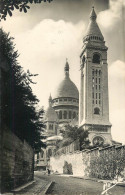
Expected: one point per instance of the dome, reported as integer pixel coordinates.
(66, 88)
(50, 113)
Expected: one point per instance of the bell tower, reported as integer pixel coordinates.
(94, 100)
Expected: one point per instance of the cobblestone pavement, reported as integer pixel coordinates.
(75, 186)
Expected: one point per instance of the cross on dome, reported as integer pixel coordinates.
(66, 68)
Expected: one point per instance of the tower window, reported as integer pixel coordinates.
(50, 127)
(83, 59)
(96, 111)
(99, 80)
(96, 58)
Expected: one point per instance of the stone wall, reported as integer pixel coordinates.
(17, 161)
(98, 163)
(75, 159)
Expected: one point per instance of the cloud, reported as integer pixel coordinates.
(110, 17)
(117, 99)
(44, 50)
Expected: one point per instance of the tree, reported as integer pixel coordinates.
(73, 133)
(19, 104)
(8, 6)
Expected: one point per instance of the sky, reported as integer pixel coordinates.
(51, 32)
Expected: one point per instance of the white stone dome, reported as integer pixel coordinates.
(66, 88)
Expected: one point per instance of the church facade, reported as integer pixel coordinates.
(90, 106)
(92, 102)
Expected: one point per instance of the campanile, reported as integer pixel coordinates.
(94, 100)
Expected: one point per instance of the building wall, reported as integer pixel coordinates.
(17, 161)
(97, 163)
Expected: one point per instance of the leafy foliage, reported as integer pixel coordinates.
(107, 163)
(8, 6)
(19, 104)
(73, 133)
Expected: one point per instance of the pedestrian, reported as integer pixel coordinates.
(48, 171)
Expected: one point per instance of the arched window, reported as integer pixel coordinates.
(50, 127)
(74, 115)
(69, 114)
(96, 110)
(42, 153)
(96, 58)
(60, 114)
(49, 152)
(65, 114)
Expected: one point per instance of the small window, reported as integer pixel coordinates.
(96, 58)
(65, 100)
(69, 114)
(50, 127)
(65, 114)
(74, 115)
(96, 86)
(96, 111)
(60, 114)
(99, 80)
(60, 100)
(93, 95)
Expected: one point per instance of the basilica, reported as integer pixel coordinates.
(89, 107)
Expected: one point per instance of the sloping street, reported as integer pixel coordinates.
(70, 185)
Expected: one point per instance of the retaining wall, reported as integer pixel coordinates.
(17, 162)
(98, 163)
